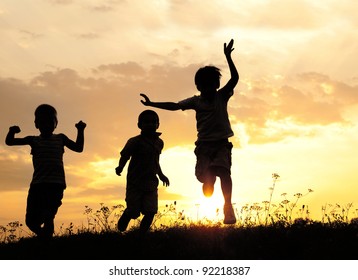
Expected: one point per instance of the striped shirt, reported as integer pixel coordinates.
(47, 159)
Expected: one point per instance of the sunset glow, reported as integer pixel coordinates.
(294, 111)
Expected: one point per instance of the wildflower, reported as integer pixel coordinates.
(275, 176)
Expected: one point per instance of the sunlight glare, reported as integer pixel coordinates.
(210, 208)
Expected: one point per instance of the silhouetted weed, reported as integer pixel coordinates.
(264, 230)
(297, 241)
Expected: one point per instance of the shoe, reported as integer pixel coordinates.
(229, 214)
(208, 189)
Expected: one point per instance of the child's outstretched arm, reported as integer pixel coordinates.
(10, 139)
(171, 106)
(78, 145)
(233, 71)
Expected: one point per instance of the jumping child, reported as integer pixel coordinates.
(213, 149)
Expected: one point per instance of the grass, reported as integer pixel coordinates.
(299, 241)
(264, 231)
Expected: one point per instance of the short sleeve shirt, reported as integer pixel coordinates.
(144, 155)
(212, 119)
(47, 159)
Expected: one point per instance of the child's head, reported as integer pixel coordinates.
(207, 79)
(148, 121)
(46, 118)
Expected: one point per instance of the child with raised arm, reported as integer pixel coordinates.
(48, 181)
(213, 150)
(143, 151)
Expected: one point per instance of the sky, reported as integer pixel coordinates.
(294, 111)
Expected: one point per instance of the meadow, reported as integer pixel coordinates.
(301, 239)
(264, 231)
(198, 242)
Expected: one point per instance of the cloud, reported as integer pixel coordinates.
(129, 68)
(333, 91)
(104, 6)
(109, 104)
(89, 36)
(221, 15)
(345, 11)
(30, 35)
(61, 2)
(16, 169)
(303, 109)
(109, 98)
(263, 111)
(296, 106)
(281, 14)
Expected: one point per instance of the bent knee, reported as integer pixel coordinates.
(149, 213)
(133, 214)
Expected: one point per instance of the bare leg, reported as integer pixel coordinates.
(48, 228)
(208, 185)
(124, 221)
(226, 187)
(146, 222)
(226, 184)
(34, 227)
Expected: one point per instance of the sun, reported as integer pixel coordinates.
(210, 208)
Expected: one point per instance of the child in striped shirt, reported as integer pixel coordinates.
(48, 181)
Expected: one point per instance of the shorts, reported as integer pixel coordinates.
(212, 154)
(43, 201)
(143, 201)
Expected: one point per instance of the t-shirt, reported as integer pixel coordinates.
(212, 119)
(47, 159)
(144, 155)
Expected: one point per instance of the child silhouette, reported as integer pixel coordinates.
(143, 151)
(213, 150)
(48, 181)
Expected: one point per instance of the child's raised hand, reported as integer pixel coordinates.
(80, 125)
(15, 129)
(229, 48)
(146, 100)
